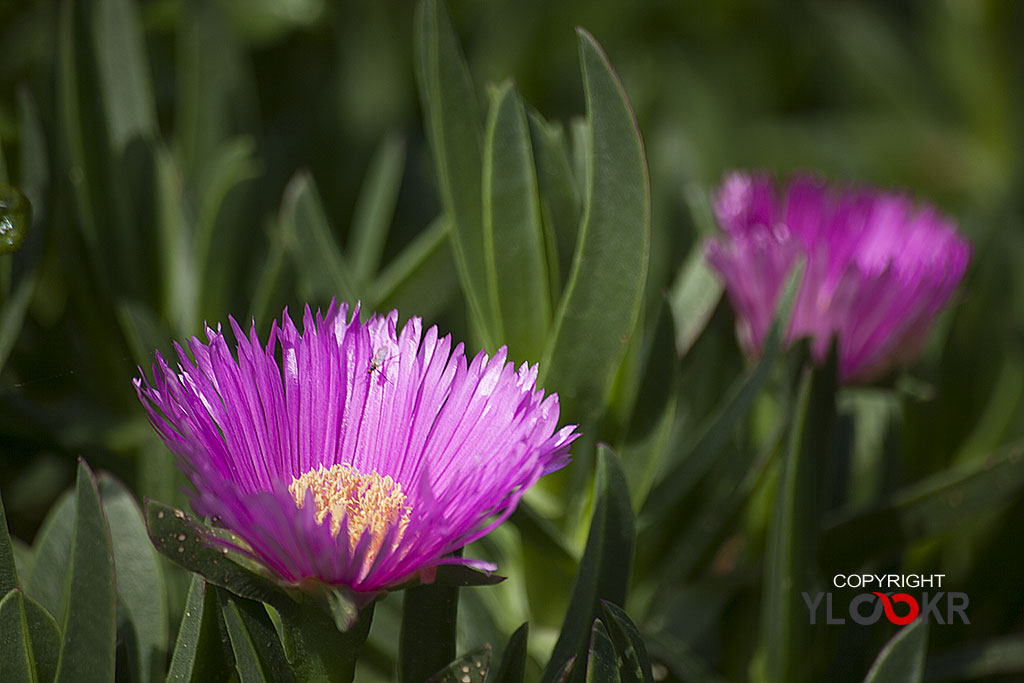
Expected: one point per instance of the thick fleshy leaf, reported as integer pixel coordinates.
(258, 652)
(992, 657)
(315, 649)
(736, 474)
(513, 661)
(8, 570)
(422, 277)
(12, 316)
(16, 664)
(454, 128)
(631, 652)
(126, 92)
(45, 581)
(214, 98)
(375, 208)
(471, 667)
(85, 142)
(140, 580)
(604, 292)
(313, 244)
(551, 566)
(689, 468)
(559, 197)
(461, 575)
(925, 509)
(45, 637)
(247, 661)
(693, 297)
(428, 631)
(216, 240)
(902, 658)
(517, 266)
(88, 632)
(178, 268)
(793, 530)
(654, 410)
(682, 661)
(606, 565)
(601, 659)
(198, 652)
(183, 540)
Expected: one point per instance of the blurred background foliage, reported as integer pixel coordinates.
(191, 160)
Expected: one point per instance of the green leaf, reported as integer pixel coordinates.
(654, 410)
(140, 580)
(87, 646)
(517, 267)
(84, 147)
(316, 253)
(604, 292)
(315, 649)
(8, 570)
(677, 656)
(421, 278)
(631, 652)
(735, 477)
(44, 635)
(606, 565)
(16, 662)
(259, 655)
(45, 581)
(35, 163)
(902, 658)
(601, 664)
(375, 208)
(143, 332)
(12, 317)
(992, 657)
(427, 641)
(693, 298)
(513, 662)
(792, 533)
(214, 98)
(453, 124)
(179, 280)
(232, 164)
(126, 91)
(559, 197)
(471, 667)
(689, 468)
(247, 662)
(184, 540)
(461, 575)
(198, 651)
(925, 509)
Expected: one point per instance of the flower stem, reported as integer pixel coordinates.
(317, 650)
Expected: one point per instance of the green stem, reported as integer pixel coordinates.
(427, 640)
(317, 650)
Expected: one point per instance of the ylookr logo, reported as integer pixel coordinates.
(867, 608)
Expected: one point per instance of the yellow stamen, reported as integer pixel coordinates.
(372, 502)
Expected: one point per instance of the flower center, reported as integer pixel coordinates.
(371, 502)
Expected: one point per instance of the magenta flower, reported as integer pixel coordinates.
(878, 267)
(354, 454)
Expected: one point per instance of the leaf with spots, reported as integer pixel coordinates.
(469, 668)
(190, 544)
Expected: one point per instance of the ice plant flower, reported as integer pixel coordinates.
(351, 453)
(878, 267)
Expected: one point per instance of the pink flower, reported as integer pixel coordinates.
(878, 267)
(352, 453)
